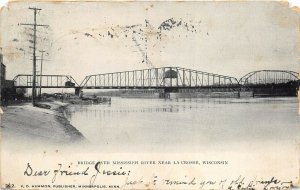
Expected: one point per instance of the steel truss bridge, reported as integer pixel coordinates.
(170, 79)
(271, 83)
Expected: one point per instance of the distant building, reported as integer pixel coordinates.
(2, 74)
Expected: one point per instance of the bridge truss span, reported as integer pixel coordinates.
(158, 78)
(267, 77)
(45, 81)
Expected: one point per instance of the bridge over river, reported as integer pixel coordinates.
(174, 80)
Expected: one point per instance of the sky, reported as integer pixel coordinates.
(229, 38)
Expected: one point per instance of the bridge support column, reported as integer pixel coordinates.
(77, 90)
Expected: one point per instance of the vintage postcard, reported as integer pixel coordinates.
(183, 95)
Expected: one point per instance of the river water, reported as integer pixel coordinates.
(188, 124)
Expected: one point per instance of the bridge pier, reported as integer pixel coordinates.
(78, 90)
(171, 90)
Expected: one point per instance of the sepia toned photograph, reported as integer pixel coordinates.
(150, 95)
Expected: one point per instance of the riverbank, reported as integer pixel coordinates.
(25, 123)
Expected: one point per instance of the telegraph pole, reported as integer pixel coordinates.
(35, 25)
(41, 72)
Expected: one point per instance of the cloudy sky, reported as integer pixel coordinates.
(229, 38)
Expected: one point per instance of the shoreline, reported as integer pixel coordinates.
(25, 123)
(75, 134)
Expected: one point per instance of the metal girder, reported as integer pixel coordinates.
(156, 78)
(268, 77)
(45, 81)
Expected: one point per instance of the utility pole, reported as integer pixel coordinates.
(35, 25)
(41, 72)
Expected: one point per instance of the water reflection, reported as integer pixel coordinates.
(157, 123)
(166, 105)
